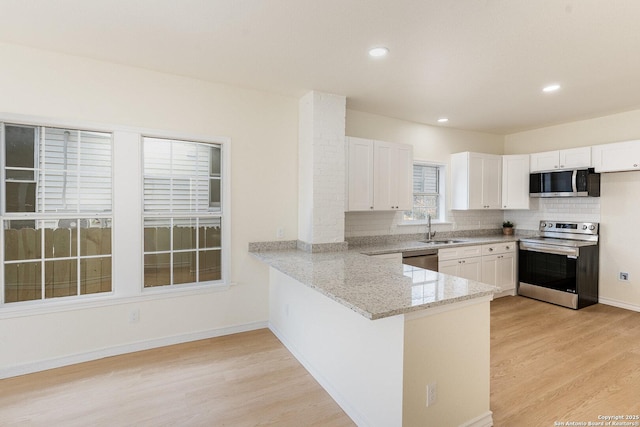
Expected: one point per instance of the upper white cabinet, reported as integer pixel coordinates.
(379, 175)
(476, 180)
(616, 157)
(392, 176)
(515, 182)
(561, 159)
(360, 174)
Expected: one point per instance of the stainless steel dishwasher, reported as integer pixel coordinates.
(423, 258)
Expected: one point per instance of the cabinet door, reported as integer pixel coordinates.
(490, 269)
(360, 174)
(383, 166)
(500, 271)
(491, 182)
(545, 161)
(575, 158)
(515, 182)
(475, 182)
(393, 176)
(449, 267)
(506, 271)
(470, 268)
(616, 157)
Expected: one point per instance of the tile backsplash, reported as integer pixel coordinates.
(585, 209)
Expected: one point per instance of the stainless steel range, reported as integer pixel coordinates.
(561, 266)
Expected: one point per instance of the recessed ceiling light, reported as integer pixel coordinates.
(378, 52)
(443, 120)
(551, 88)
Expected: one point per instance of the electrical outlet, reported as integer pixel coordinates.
(624, 277)
(134, 315)
(432, 393)
(280, 232)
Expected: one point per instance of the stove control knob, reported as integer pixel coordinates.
(550, 225)
(592, 227)
(584, 227)
(543, 225)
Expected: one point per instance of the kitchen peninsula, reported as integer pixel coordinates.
(377, 339)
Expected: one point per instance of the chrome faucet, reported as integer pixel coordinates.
(430, 234)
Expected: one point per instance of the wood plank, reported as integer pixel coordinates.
(552, 364)
(244, 379)
(548, 364)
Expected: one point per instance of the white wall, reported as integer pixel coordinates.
(432, 144)
(263, 131)
(359, 362)
(619, 209)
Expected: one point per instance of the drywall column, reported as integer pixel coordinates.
(321, 168)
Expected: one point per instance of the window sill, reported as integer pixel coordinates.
(36, 308)
(422, 222)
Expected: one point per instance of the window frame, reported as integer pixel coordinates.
(41, 218)
(442, 173)
(223, 213)
(127, 197)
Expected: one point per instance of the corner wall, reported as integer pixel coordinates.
(263, 131)
(619, 209)
(430, 144)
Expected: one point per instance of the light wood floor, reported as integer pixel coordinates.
(552, 364)
(548, 364)
(246, 379)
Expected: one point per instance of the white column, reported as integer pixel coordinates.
(321, 168)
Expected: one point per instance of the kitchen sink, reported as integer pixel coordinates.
(441, 242)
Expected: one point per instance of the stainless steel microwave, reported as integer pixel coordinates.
(569, 183)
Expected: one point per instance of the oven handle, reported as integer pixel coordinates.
(549, 249)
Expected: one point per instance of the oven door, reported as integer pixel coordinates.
(549, 266)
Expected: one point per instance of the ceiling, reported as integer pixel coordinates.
(481, 63)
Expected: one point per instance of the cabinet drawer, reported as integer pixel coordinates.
(460, 252)
(498, 248)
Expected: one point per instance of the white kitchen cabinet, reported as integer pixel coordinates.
(379, 175)
(464, 261)
(360, 174)
(499, 266)
(476, 180)
(467, 268)
(392, 179)
(515, 182)
(616, 157)
(572, 158)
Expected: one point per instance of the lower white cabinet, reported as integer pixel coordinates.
(499, 266)
(464, 261)
(494, 264)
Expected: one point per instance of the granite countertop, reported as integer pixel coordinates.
(378, 288)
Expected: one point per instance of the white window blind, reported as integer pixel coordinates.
(74, 171)
(426, 193)
(178, 176)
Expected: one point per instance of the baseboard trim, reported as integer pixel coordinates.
(484, 420)
(44, 365)
(351, 412)
(619, 304)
